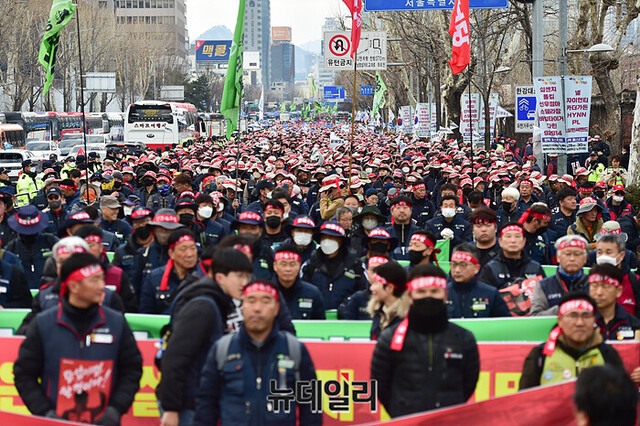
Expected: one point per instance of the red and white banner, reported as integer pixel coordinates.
(500, 370)
(459, 30)
(355, 7)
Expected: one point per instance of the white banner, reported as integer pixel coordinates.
(493, 105)
(424, 121)
(577, 90)
(465, 128)
(433, 118)
(407, 119)
(550, 109)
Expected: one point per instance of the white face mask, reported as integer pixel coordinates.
(256, 175)
(607, 260)
(406, 169)
(369, 170)
(448, 213)
(72, 164)
(369, 224)
(339, 171)
(302, 239)
(205, 212)
(618, 198)
(329, 247)
(285, 216)
(127, 210)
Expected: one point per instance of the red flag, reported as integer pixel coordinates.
(459, 31)
(355, 7)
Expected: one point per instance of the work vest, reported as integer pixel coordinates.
(72, 360)
(560, 366)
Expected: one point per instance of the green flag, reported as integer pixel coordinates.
(283, 108)
(378, 98)
(313, 87)
(335, 108)
(293, 106)
(232, 94)
(305, 110)
(61, 13)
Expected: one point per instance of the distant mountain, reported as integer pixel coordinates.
(304, 63)
(312, 46)
(219, 32)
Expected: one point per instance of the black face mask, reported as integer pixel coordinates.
(143, 232)
(467, 191)
(379, 248)
(599, 194)
(272, 221)
(434, 172)
(117, 185)
(249, 237)
(55, 205)
(416, 256)
(187, 218)
(28, 239)
(148, 182)
(428, 315)
(506, 206)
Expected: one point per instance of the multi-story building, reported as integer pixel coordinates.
(167, 18)
(283, 66)
(257, 35)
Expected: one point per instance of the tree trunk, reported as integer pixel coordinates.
(612, 127)
(634, 169)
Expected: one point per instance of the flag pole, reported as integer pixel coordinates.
(470, 121)
(353, 116)
(84, 117)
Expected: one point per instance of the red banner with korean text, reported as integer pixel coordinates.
(346, 364)
(548, 406)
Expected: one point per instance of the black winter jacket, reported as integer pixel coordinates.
(432, 370)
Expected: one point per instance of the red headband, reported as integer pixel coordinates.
(422, 239)
(526, 182)
(466, 257)
(511, 228)
(401, 203)
(79, 275)
(272, 206)
(599, 278)
(28, 222)
(584, 189)
(377, 259)
(381, 280)
(67, 187)
(243, 248)
(93, 239)
(423, 282)
(540, 216)
(258, 286)
(287, 255)
(418, 186)
(479, 221)
(166, 218)
(573, 242)
(65, 250)
(183, 239)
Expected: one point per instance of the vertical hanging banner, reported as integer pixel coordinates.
(433, 120)
(422, 128)
(493, 106)
(407, 119)
(577, 95)
(465, 127)
(550, 113)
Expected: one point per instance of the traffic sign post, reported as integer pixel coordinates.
(525, 109)
(366, 90)
(371, 55)
(408, 5)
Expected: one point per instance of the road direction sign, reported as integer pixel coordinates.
(372, 50)
(334, 93)
(525, 109)
(387, 5)
(366, 90)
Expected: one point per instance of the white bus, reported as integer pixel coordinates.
(159, 124)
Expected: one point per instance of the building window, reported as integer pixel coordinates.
(153, 20)
(135, 20)
(128, 19)
(147, 4)
(147, 20)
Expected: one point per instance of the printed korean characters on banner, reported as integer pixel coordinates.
(550, 113)
(577, 90)
(84, 388)
(465, 126)
(406, 115)
(493, 106)
(433, 117)
(422, 127)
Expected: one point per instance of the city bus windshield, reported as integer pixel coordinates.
(150, 113)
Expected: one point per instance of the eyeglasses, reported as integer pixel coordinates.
(575, 316)
(460, 264)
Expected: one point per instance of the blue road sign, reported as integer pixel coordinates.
(386, 5)
(526, 108)
(333, 92)
(213, 50)
(366, 90)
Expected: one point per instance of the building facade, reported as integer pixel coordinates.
(257, 37)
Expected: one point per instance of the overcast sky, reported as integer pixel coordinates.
(305, 17)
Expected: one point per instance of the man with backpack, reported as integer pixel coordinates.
(260, 355)
(198, 319)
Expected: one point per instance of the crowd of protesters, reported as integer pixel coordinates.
(408, 233)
